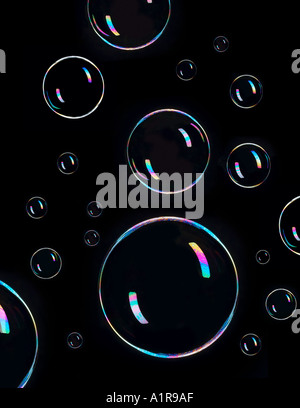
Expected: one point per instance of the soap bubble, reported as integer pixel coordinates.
(67, 163)
(262, 256)
(91, 238)
(281, 304)
(248, 165)
(221, 43)
(171, 142)
(250, 344)
(246, 91)
(135, 26)
(94, 209)
(18, 339)
(73, 87)
(45, 263)
(36, 207)
(74, 340)
(186, 70)
(289, 225)
(168, 287)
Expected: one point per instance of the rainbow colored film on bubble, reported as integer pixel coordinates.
(252, 87)
(111, 26)
(135, 308)
(202, 259)
(4, 325)
(186, 137)
(88, 75)
(258, 161)
(239, 95)
(58, 94)
(238, 170)
(150, 169)
(295, 233)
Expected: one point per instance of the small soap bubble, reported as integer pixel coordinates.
(246, 91)
(186, 70)
(45, 263)
(221, 43)
(250, 344)
(248, 165)
(281, 304)
(36, 207)
(94, 209)
(91, 238)
(67, 163)
(74, 340)
(262, 256)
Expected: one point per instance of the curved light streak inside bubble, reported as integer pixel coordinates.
(295, 233)
(150, 169)
(238, 95)
(238, 170)
(111, 26)
(4, 325)
(258, 161)
(88, 75)
(186, 137)
(58, 94)
(202, 259)
(222, 328)
(136, 309)
(252, 87)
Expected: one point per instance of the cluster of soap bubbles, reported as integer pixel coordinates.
(152, 306)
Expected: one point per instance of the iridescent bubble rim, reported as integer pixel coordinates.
(222, 328)
(55, 108)
(28, 375)
(188, 143)
(101, 34)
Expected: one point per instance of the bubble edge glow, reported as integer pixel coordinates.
(225, 324)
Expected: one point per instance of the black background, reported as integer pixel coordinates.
(246, 220)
